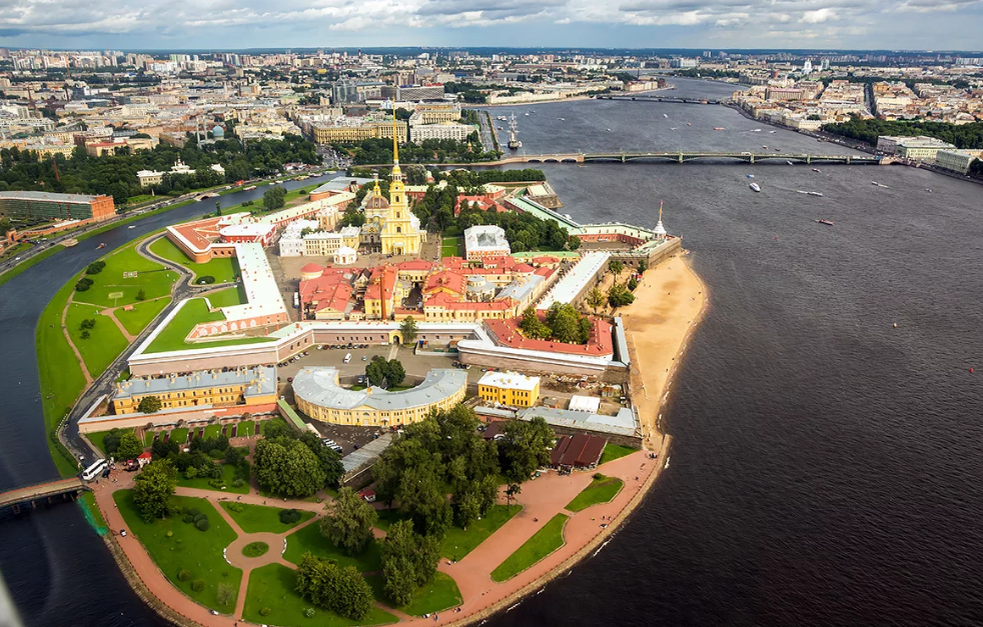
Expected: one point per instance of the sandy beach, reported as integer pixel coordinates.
(667, 308)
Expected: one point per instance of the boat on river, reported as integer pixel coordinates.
(826, 222)
(754, 186)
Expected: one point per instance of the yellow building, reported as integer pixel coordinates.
(246, 386)
(351, 133)
(319, 396)
(513, 390)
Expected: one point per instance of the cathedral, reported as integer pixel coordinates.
(390, 224)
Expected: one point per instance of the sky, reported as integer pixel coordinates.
(701, 24)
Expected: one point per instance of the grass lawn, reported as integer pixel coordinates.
(310, 539)
(255, 549)
(599, 491)
(199, 552)
(105, 342)
(98, 437)
(171, 337)
(227, 297)
(387, 517)
(152, 278)
(224, 269)
(548, 539)
(211, 431)
(201, 483)
(92, 514)
(438, 595)
(273, 586)
(245, 429)
(457, 542)
(137, 319)
(60, 375)
(259, 518)
(265, 423)
(180, 435)
(451, 246)
(615, 451)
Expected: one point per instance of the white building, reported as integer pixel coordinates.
(957, 160)
(291, 242)
(446, 130)
(485, 240)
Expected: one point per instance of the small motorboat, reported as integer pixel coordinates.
(815, 169)
(788, 162)
(665, 116)
(771, 131)
(102, 245)
(750, 176)
(756, 130)
(820, 194)
(132, 226)
(688, 124)
(826, 222)
(754, 187)
(719, 128)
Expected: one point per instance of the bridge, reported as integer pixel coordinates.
(667, 157)
(671, 99)
(30, 495)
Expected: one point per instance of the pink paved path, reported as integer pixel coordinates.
(541, 498)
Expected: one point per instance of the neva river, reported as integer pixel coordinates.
(826, 465)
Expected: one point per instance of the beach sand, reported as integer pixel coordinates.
(667, 308)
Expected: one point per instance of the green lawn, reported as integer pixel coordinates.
(310, 539)
(255, 549)
(60, 375)
(387, 517)
(245, 429)
(615, 451)
(227, 297)
(180, 435)
(599, 491)
(137, 319)
(259, 518)
(152, 278)
(201, 483)
(457, 542)
(211, 431)
(87, 501)
(273, 586)
(199, 552)
(548, 539)
(265, 423)
(440, 594)
(105, 342)
(451, 247)
(98, 437)
(224, 269)
(171, 337)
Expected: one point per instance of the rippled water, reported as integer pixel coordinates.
(826, 465)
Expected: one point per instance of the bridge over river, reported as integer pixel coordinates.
(29, 496)
(670, 99)
(671, 157)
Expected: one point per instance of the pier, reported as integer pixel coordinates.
(28, 497)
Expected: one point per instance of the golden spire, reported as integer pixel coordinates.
(660, 211)
(375, 190)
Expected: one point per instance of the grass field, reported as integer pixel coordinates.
(245, 429)
(274, 586)
(98, 437)
(451, 247)
(61, 378)
(310, 539)
(211, 431)
(224, 269)
(228, 297)
(600, 490)
(258, 518)
(615, 451)
(255, 549)
(171, 337)
(548, 539)
(105, 342)
(438, 595)
(457, 542)
(152, 278)
(180, 435)
(201, 483)
(199, 552)
(137, 319)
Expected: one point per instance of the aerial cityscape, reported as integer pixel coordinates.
(401, 321)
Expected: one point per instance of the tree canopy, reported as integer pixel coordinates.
(152, 489)
(349, 525)
(562, 323)
(340, 590)
(409, 560)
(288, 467)
(868, 130)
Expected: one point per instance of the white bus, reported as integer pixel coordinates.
(94, 470)
(296, 300)
(348, 358)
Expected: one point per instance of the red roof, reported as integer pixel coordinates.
(600, 344)
(311, 267)
(144, 455)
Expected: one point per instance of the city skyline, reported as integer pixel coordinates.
(818, 24)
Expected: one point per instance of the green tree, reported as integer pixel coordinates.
(152, 489)
(288, 468)
(409, 560)
(513, 490)
(130, 446)
(467, 509)
(274, 198)
(149, 405)
(349, 525)
(141, 295)
(564, 321)
(595, 299)
(375, 371)
(422, 498)
(617, 267)
(340, 590)
(525, 447)
(573, 243)
(643, 265)
(532, 326)
(409, 330)
(395, 373)
(218, 207)
(225, 594)
(619, 296)
(632, 284)
(329, 460)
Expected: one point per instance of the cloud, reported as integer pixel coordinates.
(819, 16)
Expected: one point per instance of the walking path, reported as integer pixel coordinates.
(68, 338)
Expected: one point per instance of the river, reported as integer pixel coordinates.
(825, 465)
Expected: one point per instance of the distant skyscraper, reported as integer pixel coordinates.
(807, 67)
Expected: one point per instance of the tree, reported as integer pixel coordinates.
(617, 267)
(422, 498)
(595, 299)
(130, 446)
(619, 296)
(525, 447)
(395, 373)
(288, 468)
(532, 326)
(274, 198)
(512, 491)
(141, 295)
(218, 207)
(643, 265)
(349, 526)
(564, 321)
(468, 509)
(574, 242)
(632, 284)
(409, 330)
(153, 488)
(149, 404)
(225, 594)
(329, 460)
(340, 590)
(409, 560)
(375, 371)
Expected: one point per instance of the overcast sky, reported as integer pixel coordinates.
(240, 24)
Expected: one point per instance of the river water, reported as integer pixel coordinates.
(825, 465)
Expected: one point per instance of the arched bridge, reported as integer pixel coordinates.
(29, 496)
(746, 157)
(671, 99)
